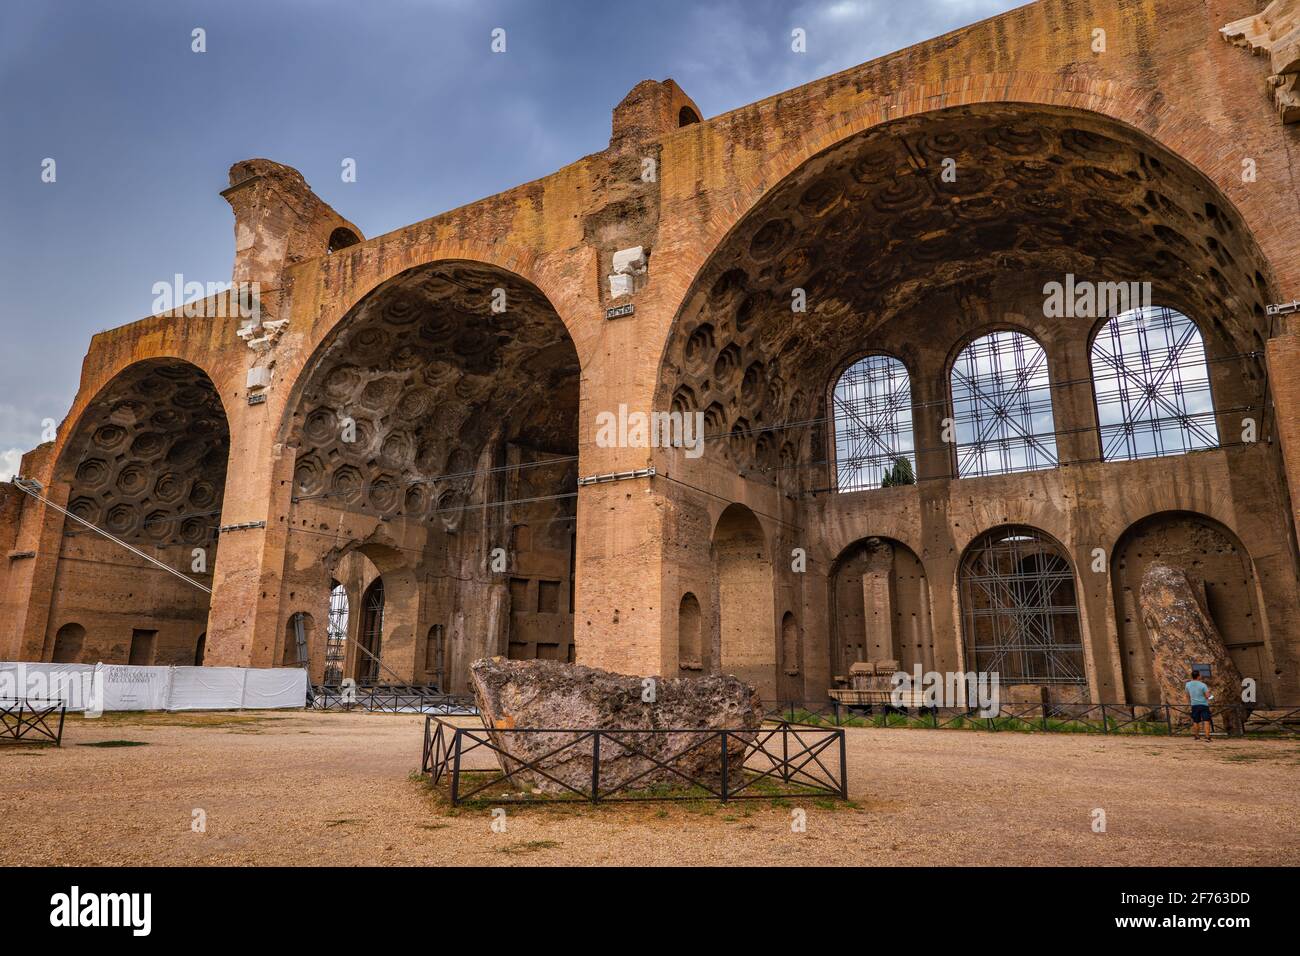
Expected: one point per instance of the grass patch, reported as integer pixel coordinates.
(696, 798)
(527, 846)
(1280, 754)
(249, 723)
(116, 743)
(1025, 724)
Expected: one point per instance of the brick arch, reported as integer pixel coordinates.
(722, 267)
(148, 447)
(743, 580)
(995, 617)
(1220, 564)
(1148, 501)
(428, 339)
(1040, 515)
(1150, 114)
(358, 271)
(893, 573)
(106, 371)
(335, 320)
(840, 536)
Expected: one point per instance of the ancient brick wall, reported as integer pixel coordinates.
(1129, 162)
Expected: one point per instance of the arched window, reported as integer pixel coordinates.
(372, 632)
(790, 644)
(690, 635)
(1019, 610)
(873, 425)
(1152, 386)
(336, 634)
(1002, 406)
(297, 640)
(68, 644)
(341, 238)
(435, 653)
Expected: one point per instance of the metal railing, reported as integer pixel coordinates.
(391, 699)
(1153, 719)
(23, 718)
(778, 760)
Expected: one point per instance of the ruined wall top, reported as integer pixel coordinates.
(279, 221)
(650, 110)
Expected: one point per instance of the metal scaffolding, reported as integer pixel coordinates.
(873, 422)
(336, 634)
(1020, 613)
(1152, 385)
(1002, 406)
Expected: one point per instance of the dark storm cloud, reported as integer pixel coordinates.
(143, 130)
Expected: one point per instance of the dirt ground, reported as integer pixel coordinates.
(330, 788)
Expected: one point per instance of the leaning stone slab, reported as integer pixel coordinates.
(1182, 634)
(566, 699)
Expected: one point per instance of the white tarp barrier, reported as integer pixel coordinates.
(135, 688)
(277, 687)
(126, 687)
(73, 683)
(207, 688)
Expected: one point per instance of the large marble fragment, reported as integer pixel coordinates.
(561, 698)
(1182, 634)
(1274, 32)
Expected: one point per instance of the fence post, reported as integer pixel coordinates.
(844, 769)
(455, 769)
(1105, 724)
(724, 766)
(838, 722)
(595, 768)
(785, 754)
(1169, 718)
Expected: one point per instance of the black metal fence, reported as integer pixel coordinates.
(778, 760)
(29, 719)
(390, 699)
(1152, 719)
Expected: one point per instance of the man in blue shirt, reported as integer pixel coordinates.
(1199, 696)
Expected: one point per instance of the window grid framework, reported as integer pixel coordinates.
(1152, 386)
(1002, 406)
(371, 643)
(336, 635)
(1020, 612)
(873, 422)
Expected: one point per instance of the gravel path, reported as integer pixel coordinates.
(310, 788)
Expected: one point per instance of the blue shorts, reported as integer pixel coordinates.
(1200, 714)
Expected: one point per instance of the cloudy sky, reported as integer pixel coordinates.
(143, 130)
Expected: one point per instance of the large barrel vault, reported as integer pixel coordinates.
(977, 333)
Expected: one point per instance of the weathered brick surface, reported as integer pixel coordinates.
(1167, 88)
